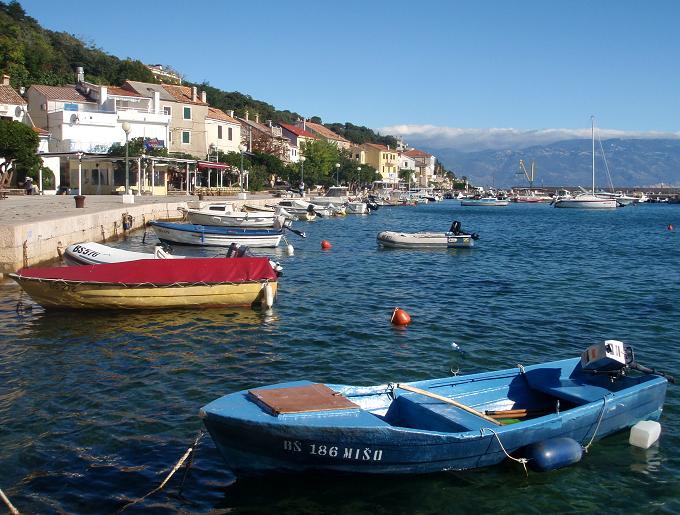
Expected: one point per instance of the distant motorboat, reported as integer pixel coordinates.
(489, 200)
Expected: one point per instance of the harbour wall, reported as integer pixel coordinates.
(36, 229)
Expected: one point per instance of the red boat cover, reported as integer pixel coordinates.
(162, 271)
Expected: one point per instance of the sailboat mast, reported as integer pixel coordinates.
(592, 135)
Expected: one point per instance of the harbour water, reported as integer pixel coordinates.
(95, 408)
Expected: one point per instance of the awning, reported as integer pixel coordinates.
(205, 165)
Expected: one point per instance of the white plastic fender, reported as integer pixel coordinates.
(645, 433)
(290, 249)
(267, 295)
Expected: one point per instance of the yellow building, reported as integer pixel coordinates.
(383, 158)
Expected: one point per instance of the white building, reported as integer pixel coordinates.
(222, 130)
(89, 118)
(12, 106)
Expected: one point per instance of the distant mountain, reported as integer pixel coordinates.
(631, 162)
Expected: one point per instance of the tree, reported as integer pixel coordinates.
(320, 158)
(19, 147)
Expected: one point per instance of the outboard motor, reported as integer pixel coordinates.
(613, 358)
(232, 249)
(455, 227)
(243, 250)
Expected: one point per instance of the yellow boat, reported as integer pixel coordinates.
(153, 284)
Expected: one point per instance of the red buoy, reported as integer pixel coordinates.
(670, 227)
(400, 317)
(325, 244)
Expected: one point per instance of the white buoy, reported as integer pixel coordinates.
(645, 433)
(455, 346)
(290, 249)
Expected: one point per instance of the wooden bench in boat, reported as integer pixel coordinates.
(549, 381)
(420, 412)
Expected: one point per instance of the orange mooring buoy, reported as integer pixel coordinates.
(325, 244)
(400, 317)
(670, 227)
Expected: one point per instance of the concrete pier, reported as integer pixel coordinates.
(35, 229)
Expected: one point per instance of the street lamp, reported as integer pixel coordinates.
(126, 130)
(241, 149)
(337, 173)
(80, 172)
(358, 177)
(302, 174)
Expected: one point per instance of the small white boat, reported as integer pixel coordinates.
(339, 196)
(223, 214)
(302, 210)
(455, 237)
(478, 200)
(92, 253)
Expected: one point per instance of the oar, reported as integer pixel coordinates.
(299, 233)
(449, 401)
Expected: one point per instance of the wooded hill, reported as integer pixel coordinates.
(30, 54)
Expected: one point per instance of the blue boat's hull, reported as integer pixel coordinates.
(253, 441)
(215, 236)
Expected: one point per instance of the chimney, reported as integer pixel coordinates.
(103, 94)
(194, 93)
(5, 80)
(304, 124)
(231, 112)
(269, 122)
(157, 102)
(80, 74)
(247, 115)
(204, 97)
(257, 117)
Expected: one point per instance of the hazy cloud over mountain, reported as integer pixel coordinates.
(472, 140)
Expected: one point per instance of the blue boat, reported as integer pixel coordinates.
(215, 236)
(454, 423)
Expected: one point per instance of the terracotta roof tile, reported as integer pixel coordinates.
(122, 92)
(380, 147)
(218, 114)
(325, 132)
(298, 131)
(183, 94)
(417, 153)
(68, 93)
(9, 96)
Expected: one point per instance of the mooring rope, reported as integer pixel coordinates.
(523, 461)
(597, 427)
(189, 452)
(10, 506)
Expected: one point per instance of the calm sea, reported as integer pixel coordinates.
(95, 408)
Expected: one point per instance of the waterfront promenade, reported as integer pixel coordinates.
(36, 228)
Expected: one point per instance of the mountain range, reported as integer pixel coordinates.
(631, 163)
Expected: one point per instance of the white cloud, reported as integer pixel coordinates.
(470, 140)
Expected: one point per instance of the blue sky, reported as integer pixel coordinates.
(524, 65)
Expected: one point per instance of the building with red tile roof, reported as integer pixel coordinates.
(325, 133)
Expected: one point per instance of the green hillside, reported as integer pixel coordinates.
(30, 54)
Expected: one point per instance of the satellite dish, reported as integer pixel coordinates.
(18, 112)
(74, 119)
